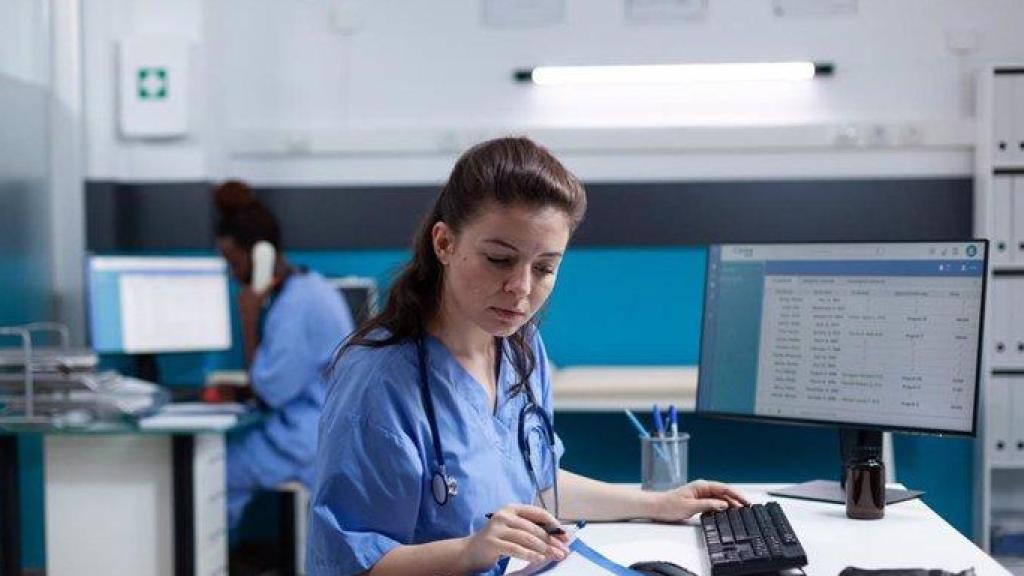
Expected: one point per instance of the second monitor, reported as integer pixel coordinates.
(359, 293)
(861, 336)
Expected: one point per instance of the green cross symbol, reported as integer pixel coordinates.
(152, 83)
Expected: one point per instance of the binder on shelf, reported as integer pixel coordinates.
(1016, 427)
(1017, 227)
(997, 437)
(1003, 219)
(1017, 132)
(1003, 122)
(1002, 313)
(1015, 330)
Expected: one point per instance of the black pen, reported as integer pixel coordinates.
(551, 530)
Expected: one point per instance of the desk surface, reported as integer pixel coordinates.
(127, 426)
(910, 536)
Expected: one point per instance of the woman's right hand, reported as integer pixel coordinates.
(514, 531)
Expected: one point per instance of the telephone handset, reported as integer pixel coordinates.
(263, 257)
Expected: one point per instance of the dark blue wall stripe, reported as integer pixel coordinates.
(126, 216)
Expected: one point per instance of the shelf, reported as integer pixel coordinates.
(870, 134)
(1006, 467)
(612, 388)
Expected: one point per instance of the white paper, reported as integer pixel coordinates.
(203, 408)
(623, 553)
(575, 564)
(188, 422)
(628, 552)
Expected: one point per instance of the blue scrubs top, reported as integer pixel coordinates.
(304, 324)
(376, 456)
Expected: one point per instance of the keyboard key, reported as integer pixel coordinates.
(738, 531)
(724, 531)
(749, 522)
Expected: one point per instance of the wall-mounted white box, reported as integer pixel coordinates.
(153, 87)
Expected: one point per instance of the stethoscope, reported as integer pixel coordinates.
(443, 485)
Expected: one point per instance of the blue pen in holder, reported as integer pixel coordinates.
(663, 461)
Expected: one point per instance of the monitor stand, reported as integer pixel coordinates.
(146, 367)
(850, 439)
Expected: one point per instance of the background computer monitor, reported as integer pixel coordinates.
(863, 336)
(147, 305)
(360, 293)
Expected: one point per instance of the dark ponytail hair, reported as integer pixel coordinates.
(505, 171)
(242, 217)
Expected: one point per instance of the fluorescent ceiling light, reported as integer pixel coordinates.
(672, 73)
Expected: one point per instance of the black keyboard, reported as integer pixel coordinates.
(750, 540)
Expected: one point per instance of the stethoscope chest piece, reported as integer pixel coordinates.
(443, 486)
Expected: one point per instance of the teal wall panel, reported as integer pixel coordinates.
(626, 306)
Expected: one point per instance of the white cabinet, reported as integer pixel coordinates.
(114, 505)
(999, 216)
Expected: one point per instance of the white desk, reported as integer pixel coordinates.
(910, 536)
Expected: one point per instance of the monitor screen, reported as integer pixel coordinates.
(858, 335)
(158, 304)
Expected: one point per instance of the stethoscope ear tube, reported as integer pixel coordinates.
(527, 453)
(442, 485)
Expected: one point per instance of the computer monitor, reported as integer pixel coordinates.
(146, 305)
(863, 336)
(360, 293)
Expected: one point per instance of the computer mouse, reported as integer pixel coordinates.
(659, 568)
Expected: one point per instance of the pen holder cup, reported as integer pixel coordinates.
(663, 462)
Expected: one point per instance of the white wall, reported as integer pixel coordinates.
(24, 41)
(104, 22)
(280, 94)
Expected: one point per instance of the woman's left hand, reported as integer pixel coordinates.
(698, 496)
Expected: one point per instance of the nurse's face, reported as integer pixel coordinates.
(239, 261)
(500, 269)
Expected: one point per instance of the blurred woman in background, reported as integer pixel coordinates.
(290, 327)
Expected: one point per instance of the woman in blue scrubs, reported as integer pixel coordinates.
(436, 451)
(289, 332)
